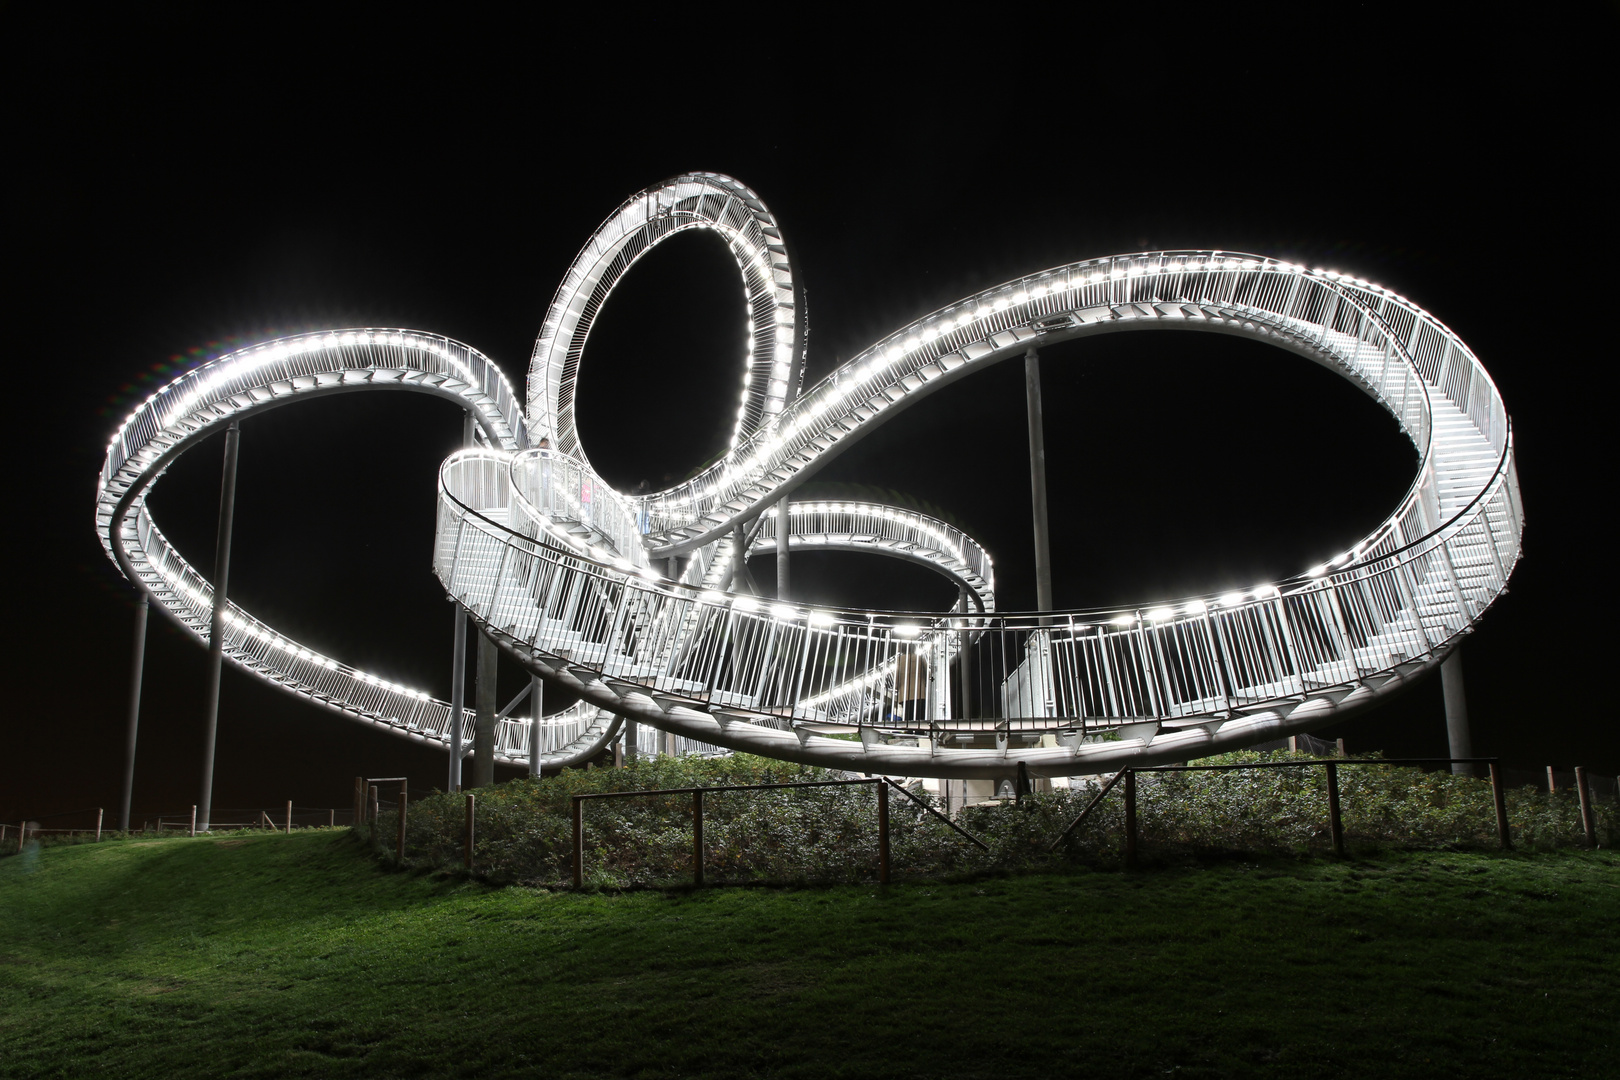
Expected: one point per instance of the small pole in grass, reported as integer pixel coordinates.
(289, 817)
(579, 847)
(883, 830)
(98, 824)
(1552, 781)
(193, 819)
(1500, 799)
(697, 837)
(467, 836)
(1335, 822)
(331, 817)
(1342, 751)
(399, 841)
(1588, 818)
(1130, 819)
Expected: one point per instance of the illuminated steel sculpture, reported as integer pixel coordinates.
(624, 599)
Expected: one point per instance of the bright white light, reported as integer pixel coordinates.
(784, 612)
(821, 618)
(1232, 599)
(1160, 614)
(907, 630)
(1194, 607)
(1123, 620)
(745, 603)
(1316, 571)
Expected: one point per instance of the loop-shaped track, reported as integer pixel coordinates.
(558, 567)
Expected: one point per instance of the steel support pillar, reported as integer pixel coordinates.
(458, 694)
(1451, 684)
(966, 660)
(137, 666)
(216, 624)
(483, 770)
(536, 704)
(782, 528)
(1037, 481)
(458, 661)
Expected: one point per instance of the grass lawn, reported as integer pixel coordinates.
(299, 955)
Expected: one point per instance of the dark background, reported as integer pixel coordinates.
(177, 189)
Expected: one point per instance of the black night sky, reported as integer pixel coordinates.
(174, 193)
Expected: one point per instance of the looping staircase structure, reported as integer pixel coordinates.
(623, 600)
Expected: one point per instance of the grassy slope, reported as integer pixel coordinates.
(276, 956)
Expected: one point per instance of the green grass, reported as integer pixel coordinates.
(300, 955)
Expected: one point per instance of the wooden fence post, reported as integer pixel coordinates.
(194, 819)
(331, 817)
(1500, 799)
(1130, 819)
(99, 812)
(883, 830)
(467, 835)
(1588, 817)
(289, 817)
(1335, 822)
(1552, 781)
(697, 838)
(399, 841)
(579, 847)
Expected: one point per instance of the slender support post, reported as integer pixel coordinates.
(1451, 683)
(289, 817)
(467, 834)
(1552, 781)
(458, 694)
(1335, 821)
(965, 655)
(1588, 817)
(216, 625)
(1500, 799)
(375, 809)
(484, 719)
(137, 666)
(399, 837)
(579, 844)
(1130, 819)
(537, 703)
(783, 527)
(697, 838)
(883, 833)
(1037, 481)
(99, 813)
(193, 830)
(331, 818)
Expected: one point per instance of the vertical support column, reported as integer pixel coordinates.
(216, 625)
(289, 817)
(458, 694)
(783, 527)
(537, 703)
(458, 662)
(1451, 684)
(137, 666)
(1037, 481)
(965, 656)
(484, 720)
